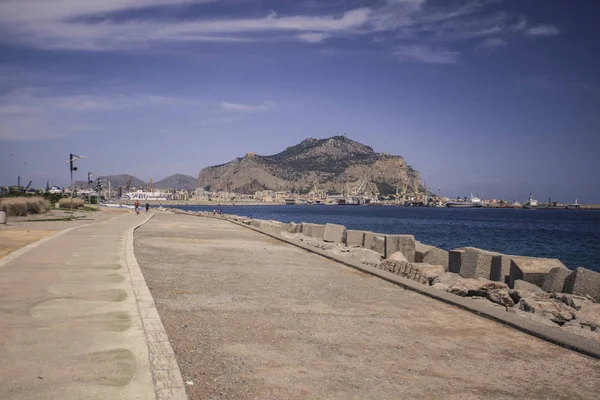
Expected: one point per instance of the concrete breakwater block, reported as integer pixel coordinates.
(455, 258)
(334, 233)
(355, 238)
(427, 254)
(501, 268)
(531, 269)
(402, 243)
(375, 242)
(476, 263)
(313, 230)
(555, 280)
(583, 282)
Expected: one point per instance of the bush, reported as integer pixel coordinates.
(21, 206)
(66, 203)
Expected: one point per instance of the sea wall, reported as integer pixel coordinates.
(542, 290)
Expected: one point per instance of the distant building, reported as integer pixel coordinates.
(4, 190)
(250, 154)
(200, 194)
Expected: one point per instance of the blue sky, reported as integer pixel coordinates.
(499, 98)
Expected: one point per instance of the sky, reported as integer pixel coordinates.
(499, 98)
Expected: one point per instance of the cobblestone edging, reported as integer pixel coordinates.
(166, 376)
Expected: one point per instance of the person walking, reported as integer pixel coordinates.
(147, 207)
(137, 207)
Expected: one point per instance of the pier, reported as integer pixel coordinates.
(251, 317)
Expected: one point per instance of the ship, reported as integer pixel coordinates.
(531, 204)
(472, 202)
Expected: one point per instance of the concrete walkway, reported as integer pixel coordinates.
(77, 322)
(250, 317)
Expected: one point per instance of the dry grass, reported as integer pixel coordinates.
(66, 203)
(21, 206)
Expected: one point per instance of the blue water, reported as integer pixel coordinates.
(571, 236)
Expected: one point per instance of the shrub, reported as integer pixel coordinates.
(21, 206)
(66, 203)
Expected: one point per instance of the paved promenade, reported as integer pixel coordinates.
(250, 317)
(70, 324)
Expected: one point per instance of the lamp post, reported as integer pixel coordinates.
(72, 168)
(90, 174)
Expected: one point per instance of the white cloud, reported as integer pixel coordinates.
(426, 55)
(491, 44)
(312, 37)
(247, 108)
(543, 30)
(416, 26)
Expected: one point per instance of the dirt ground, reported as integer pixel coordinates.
(253, 318)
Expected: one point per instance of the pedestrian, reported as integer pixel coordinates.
(147, 207)
(137, 207)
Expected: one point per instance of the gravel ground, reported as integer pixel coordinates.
(253, 318)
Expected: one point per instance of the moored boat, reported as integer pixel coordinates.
(472, 202)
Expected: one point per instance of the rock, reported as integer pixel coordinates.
(500, 296)
(378, 244)
(247, 221)
(422, 273)
(448, 279)
(552, 309)
(531, 269)
(533, 317)
(402, 243)
(571, 300)
(555, 280)
(500, 268)
(521, 285)
(429, 271)
(334, 233)
(355, 238)
(476, 263)
(589, 315)
(441, 286)
(430, 255)
(583, 282)
(467, 286)
(365, 256)
(397, 256)
(581, 330)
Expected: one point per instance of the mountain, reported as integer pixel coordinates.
(116, 181)
(177, 181)
(329, 164)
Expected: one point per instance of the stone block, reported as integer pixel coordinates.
(369, 239)
(531, 269)
(476, 263)
(317, 231)
(378, 244)
(527, 287)
(500, 268)
(355, 238)
(455, 258)
(555, 280)
(583, 282)
(334, 233)
(427, 254)
(402, 243)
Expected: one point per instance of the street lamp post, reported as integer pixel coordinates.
(90, 174)
(72, 168)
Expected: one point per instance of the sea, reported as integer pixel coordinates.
(573, 236)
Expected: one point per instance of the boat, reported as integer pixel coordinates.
(290, 202)
(531, 204)
(551, 205)
(574, 206)
(141, 195)
(472, 202)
